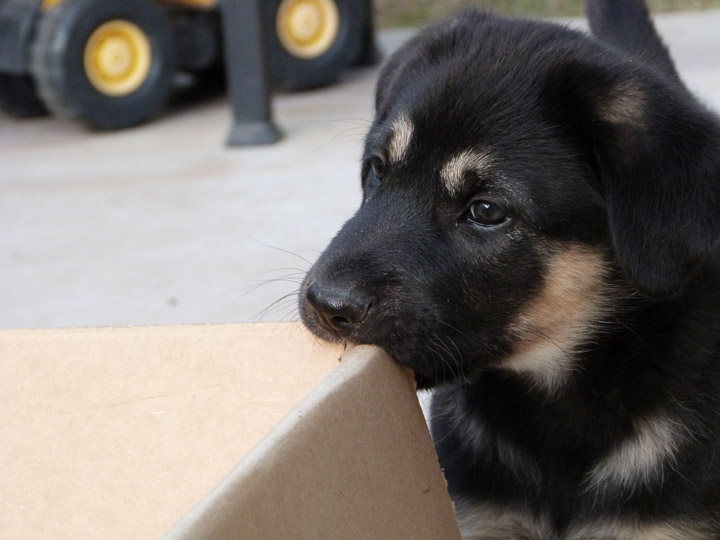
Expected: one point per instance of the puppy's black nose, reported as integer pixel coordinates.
(339, 309)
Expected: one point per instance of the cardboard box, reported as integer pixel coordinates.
(118, 433)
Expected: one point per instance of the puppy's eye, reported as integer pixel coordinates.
(487, 213)
(373, 173)
(378, 167)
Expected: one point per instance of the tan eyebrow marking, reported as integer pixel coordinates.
(454, 170)
(624, 104)
(402, 131)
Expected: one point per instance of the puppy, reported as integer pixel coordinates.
(537, 241)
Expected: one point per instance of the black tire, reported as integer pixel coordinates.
(18, 96)
(290, 72)
(58, 53)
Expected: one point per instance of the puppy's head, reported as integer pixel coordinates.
(515, 177)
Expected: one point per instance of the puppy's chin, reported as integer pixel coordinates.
(433, 362)
(427, 376)
(428, 382)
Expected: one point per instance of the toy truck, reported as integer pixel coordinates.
(112, 63)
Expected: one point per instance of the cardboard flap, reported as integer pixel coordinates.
(354, 460)
(115, 433)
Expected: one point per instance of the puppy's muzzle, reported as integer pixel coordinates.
(339, 309)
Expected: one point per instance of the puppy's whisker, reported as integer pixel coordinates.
(292, 314)
(287, 312)
(355, 131)
(292, 278)
(277, 303)
(445, 355)
(451, 327)
(297, 271)
(453, 362)
(457, 349)
(257, 284)
(431, 348)
(281, 250)
(364, 122)
(439, 356)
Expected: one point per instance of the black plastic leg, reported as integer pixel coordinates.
(370, 53)
(248, 82)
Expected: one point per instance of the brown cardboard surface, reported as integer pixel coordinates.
(353, 461)
(116, 433)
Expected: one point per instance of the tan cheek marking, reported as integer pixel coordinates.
(624, 104)
(453, 172)
(560, 319)
(402, 131)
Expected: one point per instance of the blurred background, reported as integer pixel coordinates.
(411, 12)
(123, 205)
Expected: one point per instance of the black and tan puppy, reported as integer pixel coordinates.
(537, 240)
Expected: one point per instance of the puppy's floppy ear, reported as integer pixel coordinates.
(656, 154)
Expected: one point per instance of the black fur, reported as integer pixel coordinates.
(595, 145)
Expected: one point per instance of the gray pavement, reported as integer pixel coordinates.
(163, 224)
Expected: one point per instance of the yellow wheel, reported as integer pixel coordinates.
(117, 58)
(307, 28)
(109, 62)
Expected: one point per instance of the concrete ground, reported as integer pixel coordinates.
(163, 224)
